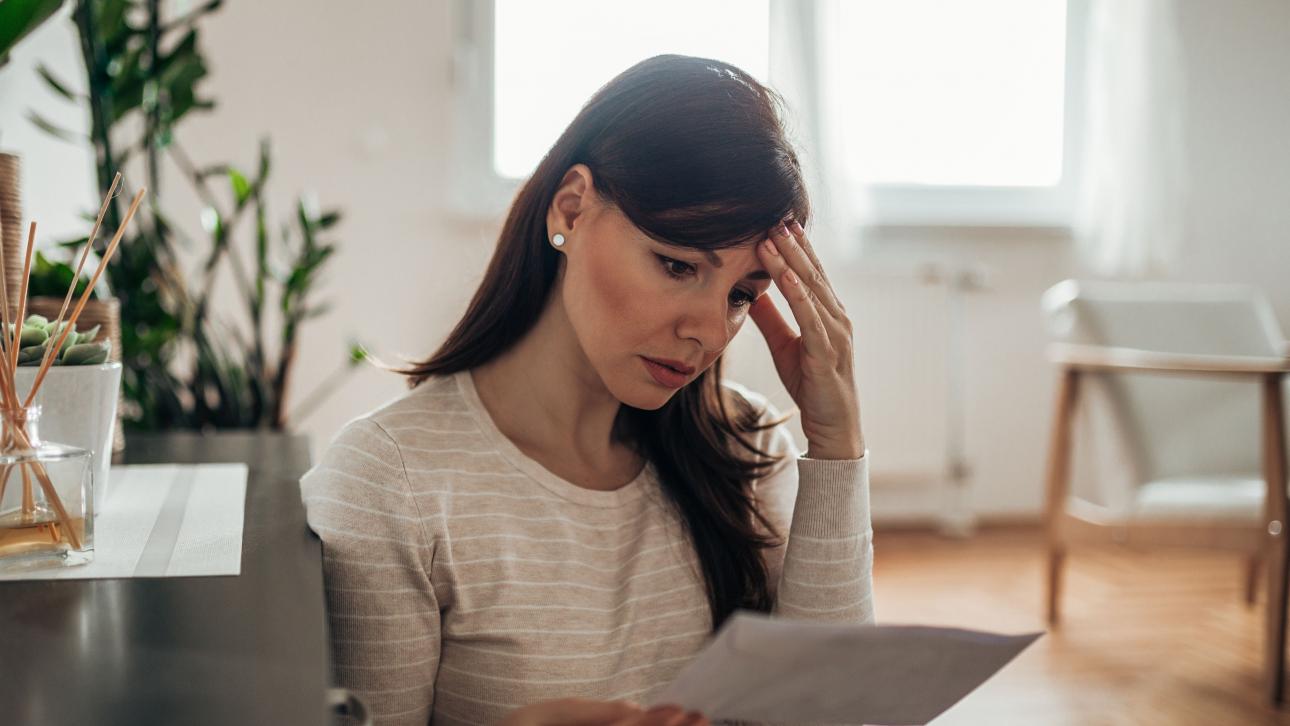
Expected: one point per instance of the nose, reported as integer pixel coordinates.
(706, 321)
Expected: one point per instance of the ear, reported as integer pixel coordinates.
(575, 197)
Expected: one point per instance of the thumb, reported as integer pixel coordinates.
(771, 323)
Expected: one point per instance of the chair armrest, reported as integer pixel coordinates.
(1103, 358)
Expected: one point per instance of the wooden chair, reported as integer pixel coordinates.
(1194, 377)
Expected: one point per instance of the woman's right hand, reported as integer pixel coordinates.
(589, 712)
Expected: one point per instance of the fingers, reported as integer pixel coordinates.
(575, 711)
(816, 335)
(771, 323)
(667, 715)
(800, 255)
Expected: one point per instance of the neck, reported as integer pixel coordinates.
(545, 396)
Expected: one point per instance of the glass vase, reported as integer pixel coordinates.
(46, 497)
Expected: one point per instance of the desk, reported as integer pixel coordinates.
(251, 649)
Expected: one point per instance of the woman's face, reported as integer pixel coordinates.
(629, 297)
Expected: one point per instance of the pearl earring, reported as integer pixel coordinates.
(558, 240)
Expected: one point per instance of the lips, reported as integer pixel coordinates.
(675, 365)
(665, 375)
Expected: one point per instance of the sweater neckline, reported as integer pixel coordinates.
(629, 492)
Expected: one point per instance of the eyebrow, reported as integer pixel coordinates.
(754, 275)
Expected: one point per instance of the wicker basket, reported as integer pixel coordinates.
(104, 313)
(11, 227)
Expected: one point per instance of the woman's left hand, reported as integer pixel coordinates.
(816, 366)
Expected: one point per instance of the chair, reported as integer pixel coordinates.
(1193, 377)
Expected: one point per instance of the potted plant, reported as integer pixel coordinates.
(49, 485)
(189, 363)
(79, 400)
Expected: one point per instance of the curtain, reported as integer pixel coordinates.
(1130, 216)
(800, 46)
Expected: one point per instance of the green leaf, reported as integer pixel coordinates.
(262, 174)
(84, 354)
(192, 16)
(329, 218)
(128, 80)
(55, 83)
(180, 72)
(88, 336)
(51, 279)
(32, 335)
(241, 187)
(50, 128)
(357, 353)
(111, 18)
(19, 17)
(316, 311)
(32, 355)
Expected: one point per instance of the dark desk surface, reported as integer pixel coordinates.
(250, 649)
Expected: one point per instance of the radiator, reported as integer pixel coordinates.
(908, 332)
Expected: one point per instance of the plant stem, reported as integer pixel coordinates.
(100, 94)
(229, 222)
(155, 106)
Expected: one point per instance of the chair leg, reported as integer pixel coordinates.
(1056, 561)
(1274, 473)
(1058, 487)
(1253, 570)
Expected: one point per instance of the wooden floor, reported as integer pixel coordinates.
(1162, 638)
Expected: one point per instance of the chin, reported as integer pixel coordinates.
(646, 399)
(644, 395)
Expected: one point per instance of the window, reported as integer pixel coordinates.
(956, 113)
(999, 86)
(946, 112)
(523, 69)
(540, 83)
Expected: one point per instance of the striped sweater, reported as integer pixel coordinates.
(464, 579)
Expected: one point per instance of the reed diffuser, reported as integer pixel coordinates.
(46, 488)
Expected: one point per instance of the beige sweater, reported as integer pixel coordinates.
(464, 579)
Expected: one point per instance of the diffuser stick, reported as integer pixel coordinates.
(85, 296)
(22, 302)
(85, 253)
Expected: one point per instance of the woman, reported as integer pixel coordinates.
(550, 524)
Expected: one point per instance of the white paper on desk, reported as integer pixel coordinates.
(164, 520)
(770, 669)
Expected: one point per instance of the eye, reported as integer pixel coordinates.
(746, 297)
(672, 271)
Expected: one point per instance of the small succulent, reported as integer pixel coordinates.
(78, 349)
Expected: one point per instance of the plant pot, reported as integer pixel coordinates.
(104, 313)
(79, 407)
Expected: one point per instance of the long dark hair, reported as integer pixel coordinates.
(693, 152)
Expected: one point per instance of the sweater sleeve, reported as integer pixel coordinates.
(381, 605)
(828, 562)
(824, 569)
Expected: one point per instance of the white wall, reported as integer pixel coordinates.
(57, 176)
(356, 105)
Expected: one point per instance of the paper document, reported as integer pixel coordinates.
(768, 669)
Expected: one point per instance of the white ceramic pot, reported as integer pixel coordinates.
(78, 407)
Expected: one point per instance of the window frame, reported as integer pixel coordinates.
(914, 205)
(478, 193)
